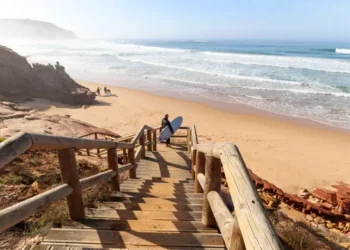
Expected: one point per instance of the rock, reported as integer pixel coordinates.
(322, 227)
(347, 225)
(329, 225)
(326, 195)
(303, 193)
(319, 220)
(314, 224)
(314, 200)
(309, 217)
(327, 206)
(21, 81)
(341, 225)
(85, 106)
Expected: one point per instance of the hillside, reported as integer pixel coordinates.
(20, 81)
(31, 29)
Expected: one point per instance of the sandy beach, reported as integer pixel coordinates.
(291, 153)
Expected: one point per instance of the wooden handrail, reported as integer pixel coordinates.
(100, 133)
(71, 189)
(257, 231)
(21, 211)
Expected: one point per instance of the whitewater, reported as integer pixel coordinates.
(309, 80)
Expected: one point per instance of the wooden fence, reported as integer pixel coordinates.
(71, 187)
(249, 227)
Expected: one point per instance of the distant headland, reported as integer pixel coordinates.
(32, 29)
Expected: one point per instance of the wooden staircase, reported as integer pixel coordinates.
(157, 210)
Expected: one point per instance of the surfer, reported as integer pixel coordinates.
(165, 122)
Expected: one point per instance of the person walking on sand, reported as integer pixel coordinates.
(105, 89)
(165, 122)
(98, 91)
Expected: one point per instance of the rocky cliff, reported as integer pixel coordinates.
(19, 81)
(32, 29)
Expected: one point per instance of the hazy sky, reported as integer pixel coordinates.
(191, 19)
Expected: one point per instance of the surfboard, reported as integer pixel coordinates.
(166, 132)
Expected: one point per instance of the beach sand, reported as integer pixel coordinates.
(291, 153)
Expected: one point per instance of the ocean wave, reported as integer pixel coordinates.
(299, 91)
(342, 51)
(186, 81)
(240, 77)
(319, 64)
(255, 97)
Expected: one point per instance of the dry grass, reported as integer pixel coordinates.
(299, 236)
(33, 173)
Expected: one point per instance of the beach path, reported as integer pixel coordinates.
(159, 209)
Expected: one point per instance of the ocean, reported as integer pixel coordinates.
(300, 79)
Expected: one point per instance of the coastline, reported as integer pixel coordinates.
(290, 152)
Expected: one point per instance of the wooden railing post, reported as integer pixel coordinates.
(131, 156)
(212, 183)
(155, 140)
(98, 150)
(142, 143)
(193, 157)
(124, 156)
(149, 139)
(69, 175)
(113, 165)
(200, 168)
(189, 142)
(88, 152)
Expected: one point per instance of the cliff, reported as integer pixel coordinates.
(19, 81)
(34, 30)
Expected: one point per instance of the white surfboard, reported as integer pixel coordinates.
(166, 132)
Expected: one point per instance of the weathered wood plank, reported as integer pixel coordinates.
(143, 215)
(159, 200)
(143, 225)
(113, 165)
(200, 168)
(97, 178)
(131, 156)
(14, 147)
(152, 207)
(72, 246)
(154, 135)
(69, 175)
(227, 224)
(155, 195)
(126, 239)
(257, 230)
(168, 190)
(212, 183)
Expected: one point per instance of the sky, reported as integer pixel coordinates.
(301, 20)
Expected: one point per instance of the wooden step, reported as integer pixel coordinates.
(180, 201)
(143, 215)
(164, 195)
(152, 207)
(155, 192)
(143, 226)
(108, 238)
(162, 180)
(157, 184)
(100, 247)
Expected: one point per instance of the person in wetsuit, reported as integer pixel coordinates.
(165, 122)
